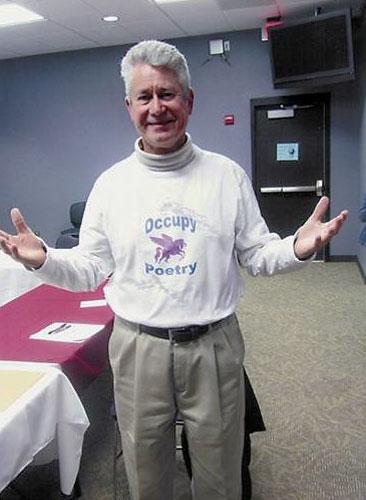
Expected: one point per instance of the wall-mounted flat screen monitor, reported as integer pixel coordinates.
(313, 51)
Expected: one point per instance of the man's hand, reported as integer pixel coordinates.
(314, 234)
(23, 247)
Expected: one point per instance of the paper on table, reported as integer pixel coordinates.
(67, 332)
(14, 383)
(93, 303)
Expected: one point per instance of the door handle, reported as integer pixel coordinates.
(317, 189)
(298, 189)
(274, 189)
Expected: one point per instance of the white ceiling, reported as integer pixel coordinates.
(77, 24)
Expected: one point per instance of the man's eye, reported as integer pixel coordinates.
(167, 96)
(143, 98)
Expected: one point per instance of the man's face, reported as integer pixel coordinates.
(158, 108)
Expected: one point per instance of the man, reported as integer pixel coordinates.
(171, 224)
(253, 422)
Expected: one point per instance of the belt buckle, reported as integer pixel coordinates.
(172, 331)
(189, 332)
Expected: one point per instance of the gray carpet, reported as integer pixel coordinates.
(305, 335)
(306, 355)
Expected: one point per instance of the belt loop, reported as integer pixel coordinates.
(171, 336)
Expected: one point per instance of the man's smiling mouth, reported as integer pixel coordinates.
(161, 123)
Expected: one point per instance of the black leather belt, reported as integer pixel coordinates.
(181, 333)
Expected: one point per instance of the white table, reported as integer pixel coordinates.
(49, 409)
(14, 279)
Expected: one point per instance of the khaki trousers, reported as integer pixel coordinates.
(203, 381)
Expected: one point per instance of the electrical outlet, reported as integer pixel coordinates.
(226, 46)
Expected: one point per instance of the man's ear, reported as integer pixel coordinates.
(128, 106)
(190, 100)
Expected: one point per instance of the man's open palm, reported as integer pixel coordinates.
(315, 233)
(24, 246)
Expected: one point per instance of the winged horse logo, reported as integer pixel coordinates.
(167, 247)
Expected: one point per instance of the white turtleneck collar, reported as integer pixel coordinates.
(168, 162)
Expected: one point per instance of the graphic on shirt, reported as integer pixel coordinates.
(170, 249)
(167, 247)
(183, 223)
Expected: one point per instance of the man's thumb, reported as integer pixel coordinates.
(18, 221)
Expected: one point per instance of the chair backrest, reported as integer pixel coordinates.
(76, 213)
(67, 241)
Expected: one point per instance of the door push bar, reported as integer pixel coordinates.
(317, 189)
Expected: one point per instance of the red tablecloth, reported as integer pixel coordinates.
(34, 310)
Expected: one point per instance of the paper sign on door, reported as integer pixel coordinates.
(288, 151)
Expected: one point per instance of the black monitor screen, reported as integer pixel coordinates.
(319, 47)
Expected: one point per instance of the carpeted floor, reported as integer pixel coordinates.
(305, 335)
(306, 356)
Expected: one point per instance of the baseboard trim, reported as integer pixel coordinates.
(348, 258)
(343, 258)
(363, 275)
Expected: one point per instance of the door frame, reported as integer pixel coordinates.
(288, 100)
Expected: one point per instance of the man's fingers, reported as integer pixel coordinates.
(4, 242)
(336, 223)
(18, 221)
(343, 215)
(320, 209)
(4, 235)
(15, 252)
(5, 247)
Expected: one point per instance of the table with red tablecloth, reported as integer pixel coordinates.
(44, 305)
(14, 279)
(39, 408)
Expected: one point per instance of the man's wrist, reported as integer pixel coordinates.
(302, 258)
(34, 268)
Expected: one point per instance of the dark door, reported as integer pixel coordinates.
(290, 139)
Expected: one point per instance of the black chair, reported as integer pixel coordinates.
(76, 216)
(70, 237)
(67, 241)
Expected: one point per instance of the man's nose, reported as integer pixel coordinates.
(156, 105)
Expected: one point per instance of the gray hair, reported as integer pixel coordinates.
(155, 53)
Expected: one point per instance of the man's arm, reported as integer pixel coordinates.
(81, 268)
(265, 253)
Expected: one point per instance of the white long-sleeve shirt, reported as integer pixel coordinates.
(172, 231)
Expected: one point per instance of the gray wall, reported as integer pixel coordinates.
(62, 123)
(361, 253)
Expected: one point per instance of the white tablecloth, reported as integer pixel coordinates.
(49, 409)
(14, 279)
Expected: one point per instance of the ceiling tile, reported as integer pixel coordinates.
(29, 38)
(252, 17)
(155, 29)
(243, 4)
(60, 9)
(199, 24)
(192, 7)
(130, 10)
(116, 35)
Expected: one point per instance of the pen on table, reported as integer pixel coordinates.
(60, 328)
